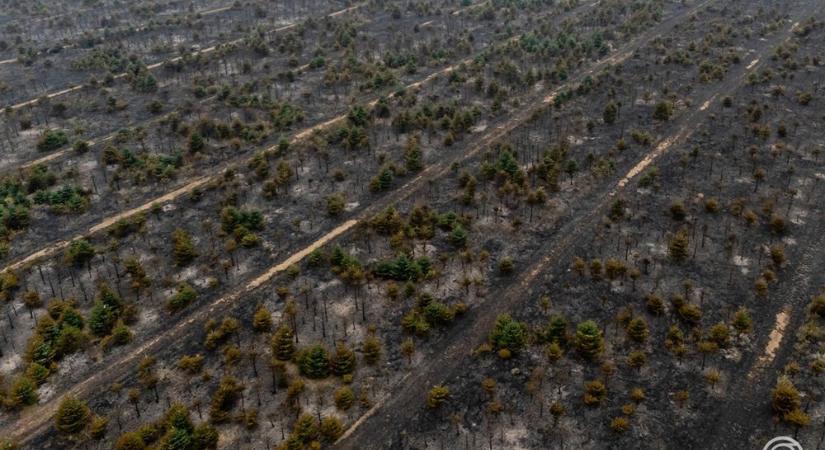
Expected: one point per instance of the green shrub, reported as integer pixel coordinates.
(508, 333)
(437, 396)
(24, 392)
(67, 199)
(458, 237)
(72, 416)
(52, 140)
(121, 334)
(283, 346)
(556, 330)
(184, 296)
(216, 335)
(335, 205)
(183, 249)
(589, 341)
(106, 311)
(224, 399)
(313, 362)
(403, 268)
(79, 253)
(663, 110)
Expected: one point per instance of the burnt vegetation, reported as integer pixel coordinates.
(431, 224)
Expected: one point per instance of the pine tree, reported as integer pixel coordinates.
(437, 396)
(224, 399)
(610, 113)
(106, 311)
(594, 393)
(818, 306)
(742, 321)
(314, 362)
(196, 143)
(557, 410)
(130, 441)
(458, 237)
(663, 110)
(372, 349)
(797, 418)
(23, 392)
(637, 329)
(556, 330)
(343, 361)
(720, 334)
(283, 343)
(785, 397)
(331, 429)
(262, 320)
(79, 253)
(678, 247)
(408, 349)
(412, 154)
(205, 437)
(72, 416)
(508, 334)
(589, 341)
(306, 428)
(553, 352)
(183, 249)
(344, 397)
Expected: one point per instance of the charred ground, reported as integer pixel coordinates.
(506, 224)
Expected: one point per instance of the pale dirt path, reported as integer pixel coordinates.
(35, 419)
(108, 222)
(107, 137)
(82, 11)
(469, 8)
(752, 388)
(55, 247)
(39, 417)
(214, 11)
(410, 389)
(65, 151)
(93, 142)
(774, 340)
(175, 59)
(207, 12)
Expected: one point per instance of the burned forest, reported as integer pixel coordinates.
(412, 225)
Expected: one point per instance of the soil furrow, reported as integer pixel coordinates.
(202, 181)
(169, 61)
(36, 419)
(451, 355)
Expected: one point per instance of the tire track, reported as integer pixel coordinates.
(173, 60)
(86, 10)
(754, 386)
(453, 349)
(206, 12)
(750, 417)
(201, 182)
(105, 137)
(36, 419)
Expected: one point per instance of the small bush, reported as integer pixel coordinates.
(52, 140)
(184, 296)
(437, 396)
